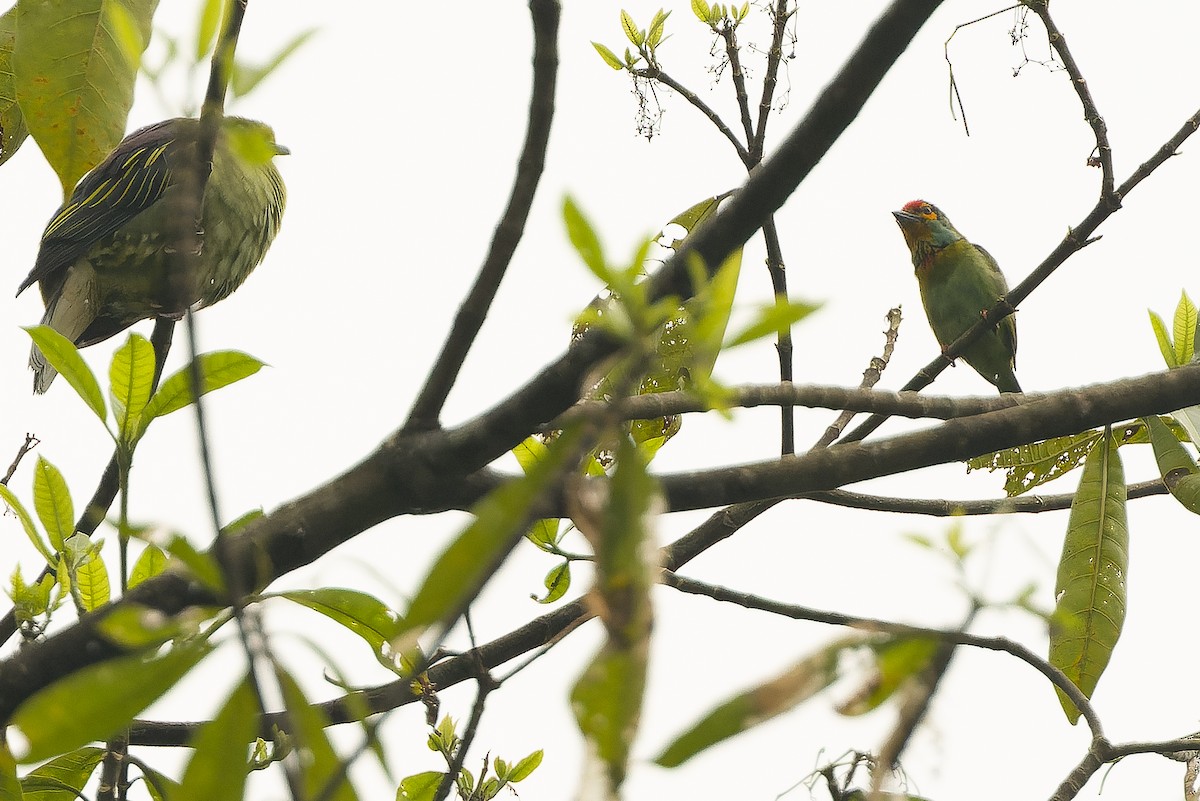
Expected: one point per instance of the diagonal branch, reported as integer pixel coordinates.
(475, 306)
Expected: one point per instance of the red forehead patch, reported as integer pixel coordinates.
(913, 205)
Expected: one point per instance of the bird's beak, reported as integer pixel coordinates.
(281, 150)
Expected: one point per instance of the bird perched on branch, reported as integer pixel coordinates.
(105, 258)
(959, 282)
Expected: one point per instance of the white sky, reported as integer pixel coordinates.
(404, 130)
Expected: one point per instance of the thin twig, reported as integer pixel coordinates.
(486, 685)
(797, 612)
(469, 319)
(660, 75)
(29, 444)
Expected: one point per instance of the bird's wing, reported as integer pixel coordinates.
(125, 184)
(1007, 329)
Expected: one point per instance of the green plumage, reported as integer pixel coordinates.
(959, 281)
(104, 259)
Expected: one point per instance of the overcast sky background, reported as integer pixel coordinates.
(404, 127)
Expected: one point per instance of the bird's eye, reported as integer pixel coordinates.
(927, 209)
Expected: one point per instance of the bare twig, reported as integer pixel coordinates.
(29, 444)
(469, 319)
(658, 74)
(957, 637)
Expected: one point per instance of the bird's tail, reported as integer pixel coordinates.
(1006, 381)
(69, 312)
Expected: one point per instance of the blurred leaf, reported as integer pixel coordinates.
(131, 377)
(134, 626)
(63, 777)
(203, 566)
(151, 562)
(319, 763)
(584, 240)
(52, 501)
(476, 553)
(217, 369)
(524, 768)
(607, 699)
(10, 786)
(98, 700)
(123, 29)
(1090, 588)
(27, 524)
(64, 357)
(12, 122)
(218, 767)
(73, 78)
(897, 660)
(247, 76)
(206, 30)
(771, 321)
(747, 709)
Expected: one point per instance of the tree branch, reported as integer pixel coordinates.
(475, 306)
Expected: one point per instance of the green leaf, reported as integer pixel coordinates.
(607, 702)
(748, 709)
(586, 243)
(1179, 471)
(134, 626)
(73, 77)
(897, 660)
(607, 699)
(610, 58)
(1090, 588)
(772, 320)
(88, 571)
(246, 76)
(525, 767)
(52, 501)
(62, 777)
(365, 615)
(131, 377)
(1185, 330)
(12, 123)
(657, 26)
(1037, 463)
(319, 762)
(151, 562)
(63, 356)
(10, 787)
(631, 29)
(219, 766)
(31, 531)
(500, 520)
(206, 30)
(217, 369)
(98, 700)
(1164, 339)
(419, 786)
(700, 9)
(557, 582)
(203, 566)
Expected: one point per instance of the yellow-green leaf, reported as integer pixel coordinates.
(96, 701)
(12, 122)
(64, 357)
(131, 377)
(1184, 329)
(218, 766)
(610, 58)
(27, 524)
(73, 78)
(52, 501)
(217, 369)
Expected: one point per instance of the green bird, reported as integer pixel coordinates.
(959, 281)
(104, 262)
